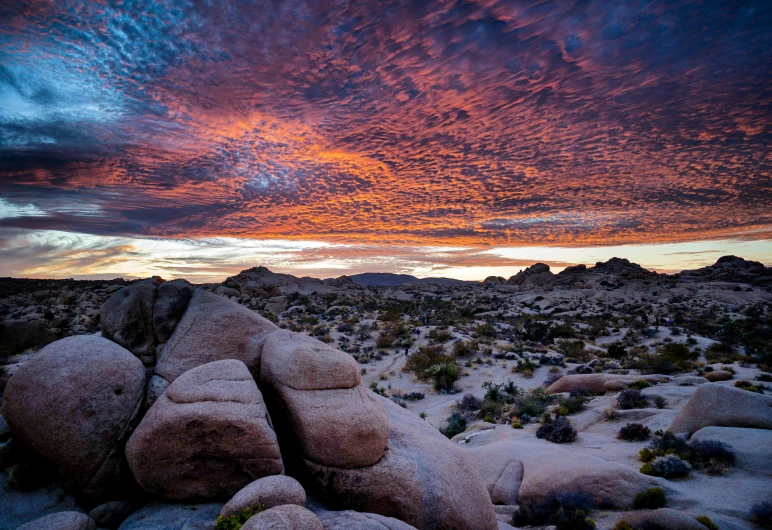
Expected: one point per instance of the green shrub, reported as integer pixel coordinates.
(660, 402)
(463, 348)
(651, 499)
(456, 425)
(559, 430)
(426, 357)
(616, 350)
(444, 375)
(623, 525)
(747, 385)
(632, 399)
(485, 330)
(235, 522)
(564, 510)
(634, 432)
(640, 384)
(678, 352)
(705, 521)
(669, 466)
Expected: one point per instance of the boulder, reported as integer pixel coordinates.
(319, 403)
(61, 521)
(207, 436)
(348, 519)
(663, 518)
(19, 507)
(287, 517)
(213, 328)
(127, 318)
(170, 304)
(422, 479)
(272, 491)
(718, 375)
(158, 516)
(5, 430)
(74, 404)
(110, 514)
(752, 447)
(596, 382)
(717, 405)
(546, 467)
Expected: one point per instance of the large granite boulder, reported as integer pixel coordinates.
(348, 519)
(75, 403)
(598, 383)
(272, 491)
(319, 403)
(61, 521)
(159, 516)
(662, 518)
(207, 436)
(718, 405)
(287, 517)
(752, 447)
(213, 328)
(422, 479)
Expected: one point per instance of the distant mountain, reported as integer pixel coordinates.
(387, 279)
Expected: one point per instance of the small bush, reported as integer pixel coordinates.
(617, 351)
(660, 402)
(651, 499)
(640, 384)
(566, 511)
(463, 348)
(705, 521)
(623, 525)
(678, 352)
(667, 441)
(712, 455)
(669, 466)
(235, 522)
(456, 425)
(634, 432)
(632, 399)
(559, 431)
(761, 514)
(747, 385)
(646, 455)
(426, 357)
(611, 414)
(444, 375)
(469, 402)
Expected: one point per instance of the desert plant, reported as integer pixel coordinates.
(623, 525)
(235, 522)
(650, 499)
(456, 425)
(426, 357)
(667, 441)
(559, 430)
(747, 385)
(634, 432)
(632, 399)
(469, 402)
(444, 375)
(564, 510)
(611, 414)
(712, 455)
(463, 348)
(660, 402)
(669, 466)
(761, 514)
(616, 350)
(705, 521)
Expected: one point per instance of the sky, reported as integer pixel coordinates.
(463, 139)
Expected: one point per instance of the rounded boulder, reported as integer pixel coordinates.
(287, 517)
(276, 490)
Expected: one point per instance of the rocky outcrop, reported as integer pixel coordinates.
(348, 519)
(287, 517)
(319, 403)
(111, 514)
(61, 521)
(598, 383)
(211, 329)
(74, 404)
(537, 275)
(731, 269)
(717, 405)
(159, 516)
(422, 479)
(272, 491)
(662, 518)
(207, 436)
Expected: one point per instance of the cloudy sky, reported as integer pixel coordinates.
(196, 138)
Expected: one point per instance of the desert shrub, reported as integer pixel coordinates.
(485, 330)
(463, 348)
(718, 351)
(660, 402)
(632, 399)
(552, 377)
(559, 430)
(537, 332)
(444, 375)
(646, 455)
(669, 466)
(566, 511)
(456, 425)
(439, 336)
(675, 351)
(235, 522)
(469, 402)
(761, 514)
(634, 432)
(570, 405)
(648, 363)
(420, 362)
(712, 455)
(640, 384)
(532, 404)
(573, 348)
(616, 350)
(766, 378)
(610, 414)
(385, 341)
(747, 385)
(705, 521)
(623, 525)
(667, 441)
(651, 499)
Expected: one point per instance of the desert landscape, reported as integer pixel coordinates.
(605, 397)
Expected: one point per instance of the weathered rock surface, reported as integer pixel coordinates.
(718, 375)
(348, 519)
(74, 404)
(19, 507)
(318, 400)
(159, 516)
(287, 517)
(723, 406)
(61, 521)
(422, 479)
(127, 318)
(207, 436)
(213, 328)
(110, 514)
(596, 383)
(665, 518)
(752, 447)
(272, 491)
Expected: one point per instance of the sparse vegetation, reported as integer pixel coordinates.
(564, 510)
(650, 499)
(634, 432)
(235, 522)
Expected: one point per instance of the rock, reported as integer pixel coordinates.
(5, 430)
(595, 382)
(287, 517)
(111, 514)
(206, 437)
(61, 521)
(75, 404)
(665, 518)
(276, 490)
(319, 403)
(127, 318)
(718, 375)
(501, 474)
(171, 302)
(752, 447)
(158, 516)
(348, 519)
(547, 467)
(19, 507)
(688, 380)
(155, 387)
(422, 479)
(723, 406)
(213, 328)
